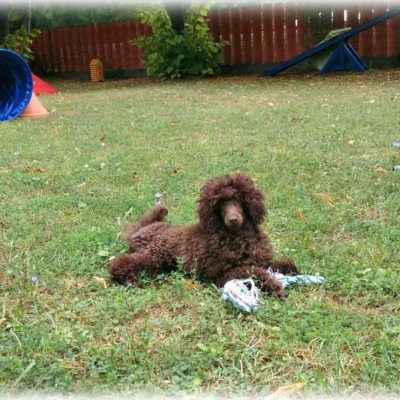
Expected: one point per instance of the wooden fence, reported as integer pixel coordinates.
(264, 34)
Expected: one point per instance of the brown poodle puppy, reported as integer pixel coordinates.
(227, 242)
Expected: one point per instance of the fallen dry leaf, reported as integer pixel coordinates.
(301, 216)
(35, 170)
(3, 277)
(100, 281)
(329, 198)
(102, 137)
(192, 285)
(380, 170)
(286, 391)
(4, 170)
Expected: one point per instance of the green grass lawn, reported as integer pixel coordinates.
(70, 181)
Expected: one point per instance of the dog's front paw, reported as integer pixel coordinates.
(132, 283)
(120, 268)
(286, 267)
(281, 293)
(274, 288)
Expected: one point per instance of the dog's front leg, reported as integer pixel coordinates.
(268, 282)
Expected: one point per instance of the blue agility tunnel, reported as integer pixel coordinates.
(15, 85)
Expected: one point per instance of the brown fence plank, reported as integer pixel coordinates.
(49, 58)
(225, 34)
(135, 55)
(393, 27)
(116, 47)
(38, 48)
(380, 34)
(338, 17)
(66, 48)
(290, 31)
(366, 43)
(246, 36)
(77, 51)
(256, 26)
(59, 50)
(236, 47)
(278, 32)
(112, 51)
(51, 50)
(86, 46)
(268, 34)
(121, 44)
(105, 45)
(301, 32)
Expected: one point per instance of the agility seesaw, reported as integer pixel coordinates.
(343, 56)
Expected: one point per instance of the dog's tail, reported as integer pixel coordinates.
(157, 214)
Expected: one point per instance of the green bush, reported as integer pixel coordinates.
(169, 55)
(20, 42)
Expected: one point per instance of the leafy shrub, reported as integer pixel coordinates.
(169, 55)
(20, 42)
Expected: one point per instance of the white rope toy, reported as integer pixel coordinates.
(244, 295)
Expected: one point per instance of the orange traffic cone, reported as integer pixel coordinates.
(35, 109)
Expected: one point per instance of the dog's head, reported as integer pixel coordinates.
(231, 203)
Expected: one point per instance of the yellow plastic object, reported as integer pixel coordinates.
(96, 70)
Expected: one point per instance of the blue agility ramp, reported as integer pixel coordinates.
(343, 57)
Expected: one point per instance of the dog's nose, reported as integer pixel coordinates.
(233, 219)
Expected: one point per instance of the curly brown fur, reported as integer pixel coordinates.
(227, 242)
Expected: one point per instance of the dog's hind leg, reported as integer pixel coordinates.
(268, 282)
(156, 214)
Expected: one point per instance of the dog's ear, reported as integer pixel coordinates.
(254, 205)
(207, 211)
(210, 195)
(252, 198)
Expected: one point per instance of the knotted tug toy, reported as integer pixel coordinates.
(287, 280)
(244, 295)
